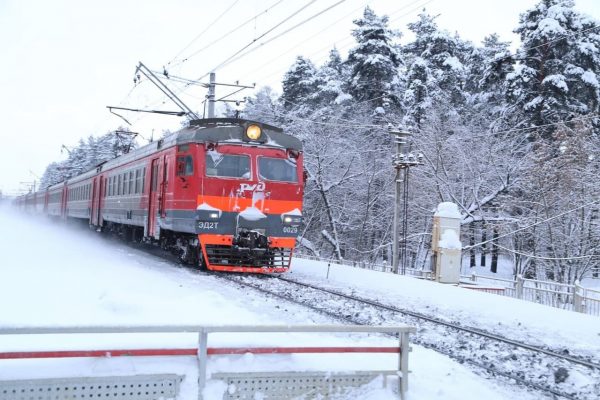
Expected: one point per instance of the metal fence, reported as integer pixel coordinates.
(381, 267)
(329, 380)
(559, 295)
(568, 297)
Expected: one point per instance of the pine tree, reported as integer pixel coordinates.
(374, 61)
(263, 107)
(298, 83)
(489, 66)
(436, 72)
(331, 81)
(559, 63)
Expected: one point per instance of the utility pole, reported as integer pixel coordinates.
(401, 161)
(211, 96)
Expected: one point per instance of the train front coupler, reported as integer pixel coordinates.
(250, 239)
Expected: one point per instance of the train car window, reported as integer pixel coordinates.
(137, 181)
(227, 165)
(119, 185)
(182, 148)
(143, 179)
(277, 169)
(131, 183)
(124, 183)
(185, 166)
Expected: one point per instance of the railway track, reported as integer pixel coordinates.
(541, 369)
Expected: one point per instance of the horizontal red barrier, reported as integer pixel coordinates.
(291, 350)
(192, 352)
(99, 353)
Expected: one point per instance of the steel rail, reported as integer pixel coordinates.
(448, 324)
(393, 309)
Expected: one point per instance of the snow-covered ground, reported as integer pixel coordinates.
(51, 275)
(517, 319)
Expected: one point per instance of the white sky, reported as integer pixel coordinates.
(64, 61)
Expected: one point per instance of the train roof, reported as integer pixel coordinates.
(213, 130)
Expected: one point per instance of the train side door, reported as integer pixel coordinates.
(97, 187)
(93, 204)
(154, 200)
(163, 188)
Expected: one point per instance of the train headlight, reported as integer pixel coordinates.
(253, 132)
(292, 220)
(208, 215)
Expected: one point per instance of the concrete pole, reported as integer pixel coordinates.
(211, 96)
(396, 256)
(400, 138)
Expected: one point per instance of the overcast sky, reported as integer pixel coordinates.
(64, 61)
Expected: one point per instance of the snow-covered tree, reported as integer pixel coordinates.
(436, 72)
(332, 81)
(263, 106)
(557, 78)
(374, 61)
(298, 83)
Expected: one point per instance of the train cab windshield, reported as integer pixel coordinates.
(277, 169)
(227, 165)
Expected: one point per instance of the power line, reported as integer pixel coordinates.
(281, 34)
(341, 40)
(547, 258)
(260, 37)
(204, 31)
(229, 60)
(532, 225)
(516, 53)
(582, 118)
(227, 34)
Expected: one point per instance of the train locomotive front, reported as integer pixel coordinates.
(246, 180)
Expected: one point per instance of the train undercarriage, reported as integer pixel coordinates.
(247, 252)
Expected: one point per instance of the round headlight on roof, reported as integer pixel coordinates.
(253, 132)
